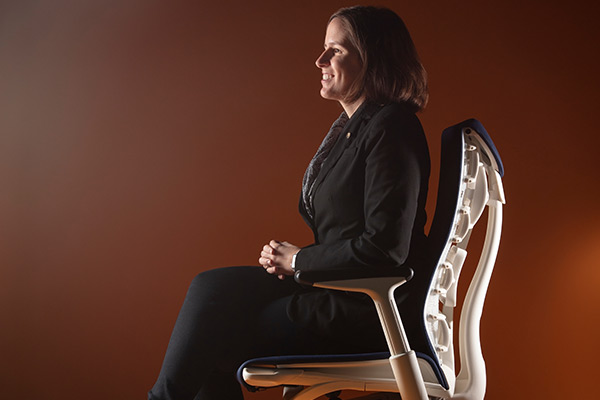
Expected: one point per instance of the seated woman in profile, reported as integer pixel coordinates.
(363, 195)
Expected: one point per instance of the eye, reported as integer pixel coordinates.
(334, 50)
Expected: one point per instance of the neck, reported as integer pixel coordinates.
(350, 108)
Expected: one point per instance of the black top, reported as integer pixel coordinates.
(370, 195)
(369, 209)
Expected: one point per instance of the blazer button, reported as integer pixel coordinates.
(348, 135)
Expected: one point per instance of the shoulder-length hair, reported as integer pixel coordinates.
(391, 69)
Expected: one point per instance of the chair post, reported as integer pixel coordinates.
(403, 360)
(408, 376)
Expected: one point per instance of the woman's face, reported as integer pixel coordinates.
(340, 66)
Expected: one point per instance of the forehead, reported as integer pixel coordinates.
(337, 33)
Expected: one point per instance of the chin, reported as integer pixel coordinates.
(328, 96)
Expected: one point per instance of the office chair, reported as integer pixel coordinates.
(470, 179)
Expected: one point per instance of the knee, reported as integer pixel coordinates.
(211, 276)
(204, 280)
(216, 280)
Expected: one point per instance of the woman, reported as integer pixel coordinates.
(363, 195)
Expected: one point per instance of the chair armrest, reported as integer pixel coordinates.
(311, 277)
(379, 284)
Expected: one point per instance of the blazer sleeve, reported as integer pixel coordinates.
(394, 173)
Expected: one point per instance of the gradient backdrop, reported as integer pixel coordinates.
(142, 142)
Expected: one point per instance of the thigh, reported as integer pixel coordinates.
(227, 312)
(244, 281)
(236, 292)
(276, 334)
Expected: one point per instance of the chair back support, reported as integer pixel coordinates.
(470, 180)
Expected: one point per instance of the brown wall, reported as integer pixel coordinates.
(142, 142)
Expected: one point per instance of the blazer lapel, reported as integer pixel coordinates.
(353, 126)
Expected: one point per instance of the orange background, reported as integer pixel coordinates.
(142, 142)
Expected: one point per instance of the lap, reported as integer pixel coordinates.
(251, 307)
(254, 304)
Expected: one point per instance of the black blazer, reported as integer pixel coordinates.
(369, 210)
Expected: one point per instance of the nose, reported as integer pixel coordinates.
(322, 60)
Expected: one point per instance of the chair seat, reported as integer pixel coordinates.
(270, 371)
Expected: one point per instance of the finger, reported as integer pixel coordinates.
(273, 270)
(268, 260)
(265, 262)
(274, 244)
(281, 277)
(268, 249)
(266, 255)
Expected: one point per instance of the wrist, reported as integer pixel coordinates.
(293, 263)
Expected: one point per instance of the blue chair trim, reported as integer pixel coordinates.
(298, 359)
(478, 126)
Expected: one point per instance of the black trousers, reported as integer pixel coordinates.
(231, 315)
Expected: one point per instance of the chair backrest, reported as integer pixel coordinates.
(470, 180)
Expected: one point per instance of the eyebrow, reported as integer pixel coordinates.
(333, 43)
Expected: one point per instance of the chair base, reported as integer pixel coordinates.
(311, 380)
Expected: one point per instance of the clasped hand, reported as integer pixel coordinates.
(276, 258)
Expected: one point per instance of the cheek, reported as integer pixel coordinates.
(347, 72)
(356, 69)
(350, 70)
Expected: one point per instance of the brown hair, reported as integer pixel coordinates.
(391, 69)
